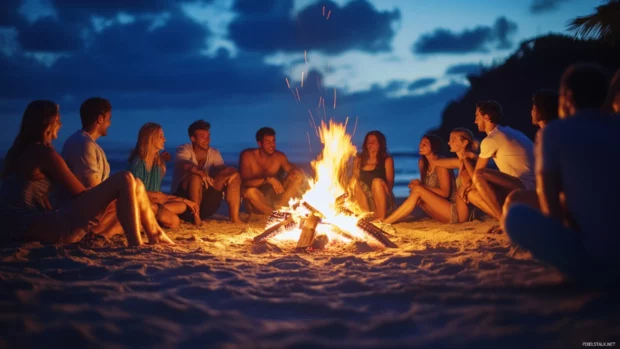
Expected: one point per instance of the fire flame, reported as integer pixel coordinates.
(327, 189)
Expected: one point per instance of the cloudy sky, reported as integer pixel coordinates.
(394, 64)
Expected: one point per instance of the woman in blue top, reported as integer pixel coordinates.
(147, 164)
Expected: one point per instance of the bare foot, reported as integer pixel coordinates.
(197, 220)
(236, 221)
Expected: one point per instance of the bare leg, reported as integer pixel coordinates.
(474, 197)
(403, 210)
(257, 200)
(233, 198)
(292, 187)
(120, 186)
(484, 178)
(167, 218)
(147, 217)
(379, 196)
(360, 198)
(107, 224)
(194, 187)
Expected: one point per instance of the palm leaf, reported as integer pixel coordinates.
(604, 24)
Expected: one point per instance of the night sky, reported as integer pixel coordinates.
(394, 64)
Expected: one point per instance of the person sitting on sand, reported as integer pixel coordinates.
(435, 192)
(32, 166)
(264, 186)
(200, 175)
(544, 110)
(373, 176)
(147, 164)
(87, 160)
(575, 232)
(513, 154)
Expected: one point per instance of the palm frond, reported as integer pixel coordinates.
(604, 24)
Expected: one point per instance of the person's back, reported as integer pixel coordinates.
(581, 149)
(514, 153)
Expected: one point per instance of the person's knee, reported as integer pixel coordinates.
(379, 184)
(168, 219)
(126, 179)
(251, 194)
(140, 188)
(513, 197)
(297, 174)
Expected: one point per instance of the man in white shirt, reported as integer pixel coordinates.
(577, 184)
(200, 175)
(513, 154)
(88, 161)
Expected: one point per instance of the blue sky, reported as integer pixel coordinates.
(393, 63)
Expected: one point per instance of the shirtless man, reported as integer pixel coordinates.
(263, 188)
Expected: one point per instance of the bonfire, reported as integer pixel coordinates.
(324, 214)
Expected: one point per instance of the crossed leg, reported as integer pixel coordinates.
(493, 187)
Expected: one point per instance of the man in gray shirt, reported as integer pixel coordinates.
(88, 161)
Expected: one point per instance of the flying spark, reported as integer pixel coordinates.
(287, 84)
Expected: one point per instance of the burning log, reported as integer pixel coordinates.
(287, 223)
(308, 231)
(375, 232)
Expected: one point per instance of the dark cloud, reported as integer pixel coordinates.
(263, 7)
(421, 83)
(540, 6)
(133, 64)
(50, 35)
(9, 14)
(82, 11)
(356, 26)
(478, 39)
(465, 68)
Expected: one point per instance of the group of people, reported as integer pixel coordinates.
(555, 197)
(58, 197)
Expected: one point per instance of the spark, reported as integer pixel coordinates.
(305, 57)
(309, 144)
(302, 78)
(287, 84)
(328, 14)
(334, 98)
(354, 127)
(318, 106)
(346, 121)
(297, 90)
(323, 11)
(313, 123)
(294, 97)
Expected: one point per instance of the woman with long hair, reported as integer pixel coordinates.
(434, 192)
(32, 166)
(147, 164)
(373, 176)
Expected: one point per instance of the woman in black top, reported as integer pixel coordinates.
(373, 176)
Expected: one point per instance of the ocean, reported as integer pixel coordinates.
(405, 162)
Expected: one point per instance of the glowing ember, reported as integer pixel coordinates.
(326, 197)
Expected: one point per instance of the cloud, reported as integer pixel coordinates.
(83, 11)
(540, 6)
(136, 65)
(421, 83)
(356, 26)
(9, 14)
(49, 35)
(465, 68)
(477, 39)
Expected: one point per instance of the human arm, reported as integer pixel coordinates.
(447, 163)
(56, 167)
(185, 163)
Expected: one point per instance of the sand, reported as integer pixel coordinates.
(444, 286)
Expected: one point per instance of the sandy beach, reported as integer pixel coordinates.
(444, 286)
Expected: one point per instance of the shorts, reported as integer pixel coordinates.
(211, 201)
